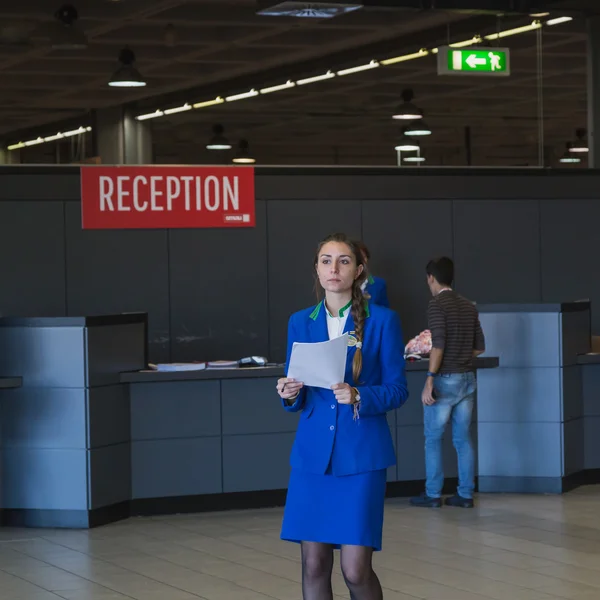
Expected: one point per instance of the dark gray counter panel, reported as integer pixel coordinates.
(394, 232)
(108, 416)
(32, 239)
(176, 467)
(48, 419)
(179, 409)
(591, 390)
(532, 407)
(497, 250)
(533, 450)
(298, 225)
(572, 393)
(116, 271)
(44, 356)
(591, 408)
(574, 446)
(44, 479)
(536, 339)
(256, 462)
(410, 453)
(71, 357)
(509, 395)
(113, 349)
(412, 411)
(208, 321)
(576, 334)
(592, 442)
(254, 412)
(525, 340)
(109, 480)
(536, 307)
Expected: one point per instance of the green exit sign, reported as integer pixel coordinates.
(474, 61)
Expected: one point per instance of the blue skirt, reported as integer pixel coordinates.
(335, 510)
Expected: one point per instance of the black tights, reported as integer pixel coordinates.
(317, 565)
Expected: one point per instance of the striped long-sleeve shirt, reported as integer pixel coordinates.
(455, 329)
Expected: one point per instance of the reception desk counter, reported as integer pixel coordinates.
(91, 437)
(220, 439)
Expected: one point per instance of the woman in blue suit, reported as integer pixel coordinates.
(343, 444)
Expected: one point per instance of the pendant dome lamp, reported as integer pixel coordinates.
(127, 76)
(407, 111)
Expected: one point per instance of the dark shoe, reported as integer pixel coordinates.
(460, 502)
(425, 501)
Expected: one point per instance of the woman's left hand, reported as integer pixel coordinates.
(344, 394)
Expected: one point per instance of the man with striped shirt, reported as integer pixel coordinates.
(449, 391)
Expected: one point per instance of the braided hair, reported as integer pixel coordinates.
(358, 308)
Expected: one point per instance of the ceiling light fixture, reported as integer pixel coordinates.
(328, 75)
(307, 10)
(54, 138)
(405, 57)
(568, 157)
(208, 103)
(243, 156)
(407, 111)
(127, 76)
(77, 131)
(516, 31)
(407, 145)
(218, 140)
(559, 20)
(580, 145)
(35, 142)
(235, 97)
(277, 88)
(419, 129)
(179, 109)
(372, 65)
(51, 138)
(476, 39)
(153, 115)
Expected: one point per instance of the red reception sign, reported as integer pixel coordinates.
(156, 197)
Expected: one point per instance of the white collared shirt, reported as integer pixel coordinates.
(336, 325)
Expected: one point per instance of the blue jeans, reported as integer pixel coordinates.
(454, 395)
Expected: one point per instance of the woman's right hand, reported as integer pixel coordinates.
(288, 388)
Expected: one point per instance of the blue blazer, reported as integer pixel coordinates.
(377, 288)
(327, 431)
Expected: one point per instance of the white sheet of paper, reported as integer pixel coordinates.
(319, 364)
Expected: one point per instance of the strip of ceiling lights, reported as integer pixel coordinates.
(537, 24)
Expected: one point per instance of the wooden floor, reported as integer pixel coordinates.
(508, 548)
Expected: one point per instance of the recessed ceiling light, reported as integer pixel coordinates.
(306, 10)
